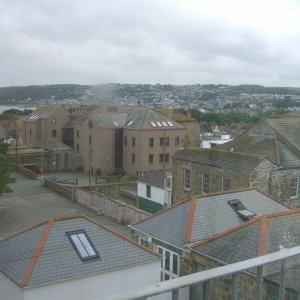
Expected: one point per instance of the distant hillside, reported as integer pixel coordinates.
(146, 92)
(38, 92)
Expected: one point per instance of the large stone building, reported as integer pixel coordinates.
(44, 122)
(267, 156)
(130, 139)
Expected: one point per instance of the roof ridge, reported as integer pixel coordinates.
(190, 221)
(225, 232)
(261, 249)
(36, 253)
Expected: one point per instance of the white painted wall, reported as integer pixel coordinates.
(157, 194)
(9, 290)
(86, 288)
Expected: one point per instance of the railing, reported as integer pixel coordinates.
(205, 276)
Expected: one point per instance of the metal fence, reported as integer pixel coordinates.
(205, 277)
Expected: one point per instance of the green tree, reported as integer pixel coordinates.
(6, 165)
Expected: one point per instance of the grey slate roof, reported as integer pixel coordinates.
(211, 215)
(276, 138)
(58, 259)
(232, 161)
(244, 242)
(42, 112)
(154, 178)
(134, 118)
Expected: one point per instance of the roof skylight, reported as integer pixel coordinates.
(82, 244)
(240, 209)
(153, 124)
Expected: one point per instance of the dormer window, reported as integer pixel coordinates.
(82, 244)
(240, 209)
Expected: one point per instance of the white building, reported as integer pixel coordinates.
(73, 258)
(154, 190)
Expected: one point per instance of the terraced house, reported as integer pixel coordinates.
(267, 156)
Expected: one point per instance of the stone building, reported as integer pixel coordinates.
(266, 156)
(44, 122)
(259, 236)
(133, 140)
(172, 230)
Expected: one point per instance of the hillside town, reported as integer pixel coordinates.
(108, 193)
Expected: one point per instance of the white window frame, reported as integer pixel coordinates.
(168, 183)
(165, 273)
(295, 187)
(144, 241)
(187, 179)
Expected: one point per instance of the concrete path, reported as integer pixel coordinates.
(31, 202)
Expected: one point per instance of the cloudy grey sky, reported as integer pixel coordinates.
(150, 41)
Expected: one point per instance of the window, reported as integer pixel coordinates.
(161, 158)
(240, 209)
(53, 133)
(53, 120)
(77, 134)
(150, 158)
(177, 141)
(151, 142)
(167, 139)
(295, 187)
(168, 183)
(90, 140)
(30, 132)
(170, 264)
(167, 157)
(133, 158)
(82, 244)
(161, 141)
(225, 183)
(186, 179)
(90, 124)
(143, 241)
(133, 142)
(77, 147)
(148, 191)
(125, 140)
(205, 182)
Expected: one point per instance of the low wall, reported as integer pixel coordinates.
(26, 172)
(118, 210)
(59, 188)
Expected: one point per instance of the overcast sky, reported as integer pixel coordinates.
(153, 41)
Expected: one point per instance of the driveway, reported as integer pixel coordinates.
(31, 203)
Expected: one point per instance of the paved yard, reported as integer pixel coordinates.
(30, 203)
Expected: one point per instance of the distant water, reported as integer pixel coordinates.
(6, 107)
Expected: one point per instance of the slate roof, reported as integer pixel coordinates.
(135, 118)
(51, 144)
(201, 217)
(154, 178)
(260, 236)
(276, 138)
(232, 161)
(42, 112)
(43, 254)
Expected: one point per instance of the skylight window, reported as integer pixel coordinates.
(153, 124)
(130, 123)
(240, 209)
(170, 124)
(115, 123)
(82, 244)
(165, 124)
(158, 124)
